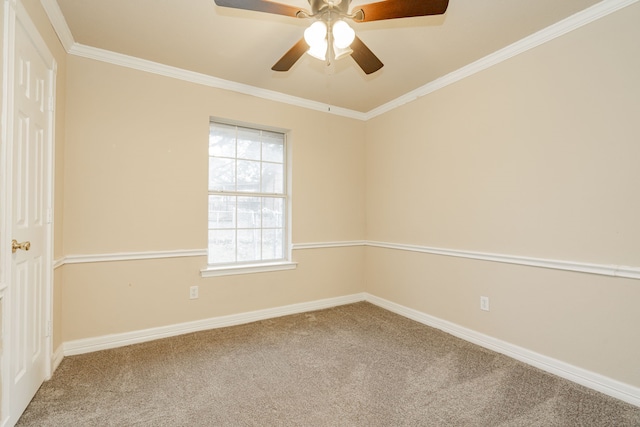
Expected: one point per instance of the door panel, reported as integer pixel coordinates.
(28, 286)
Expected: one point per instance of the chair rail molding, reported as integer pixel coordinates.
(622, 271)
(581, 267)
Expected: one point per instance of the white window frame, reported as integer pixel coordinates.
(213, 270)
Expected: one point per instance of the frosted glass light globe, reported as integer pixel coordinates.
(319, 50)
(343, 34)
(315, 34)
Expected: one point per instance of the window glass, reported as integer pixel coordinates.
(247, 195)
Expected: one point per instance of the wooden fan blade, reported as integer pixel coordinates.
(364, 57)
(391, 9)
(260, 6)
(292, 56)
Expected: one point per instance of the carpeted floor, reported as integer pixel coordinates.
(354, 365)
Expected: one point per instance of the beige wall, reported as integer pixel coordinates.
(136, 162)
(117, 297)
(136, 181)
(538, 157)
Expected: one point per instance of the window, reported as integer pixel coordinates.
(247, 196)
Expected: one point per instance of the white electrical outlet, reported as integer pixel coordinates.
(193, 292)
(484, 303)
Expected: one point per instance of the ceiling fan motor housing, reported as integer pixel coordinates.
(321, 7)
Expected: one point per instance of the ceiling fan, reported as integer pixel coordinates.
(330, 37)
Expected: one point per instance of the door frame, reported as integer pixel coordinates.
(14, 15)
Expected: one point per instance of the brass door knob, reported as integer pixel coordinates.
(25, 246)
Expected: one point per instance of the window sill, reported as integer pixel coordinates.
(247, 269)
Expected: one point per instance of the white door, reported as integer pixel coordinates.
(30, 222)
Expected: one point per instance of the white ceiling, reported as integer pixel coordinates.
(241, 46)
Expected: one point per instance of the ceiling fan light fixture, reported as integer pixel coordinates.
(319, 50)
(316, 34)
(343, 34)
(339, 52)
(316, 38)
(342, 37)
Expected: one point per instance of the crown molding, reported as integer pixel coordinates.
(545, 35)
(206, 80)
(52, 9)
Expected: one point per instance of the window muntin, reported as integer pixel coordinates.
(247, 195)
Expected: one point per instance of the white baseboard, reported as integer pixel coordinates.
(127, 338)
(608, 386)
(57, 357)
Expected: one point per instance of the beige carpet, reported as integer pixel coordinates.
(354, 365)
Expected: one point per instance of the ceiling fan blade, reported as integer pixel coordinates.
(364, 57)
(292, 56)
(391, 9)
(261, 6)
